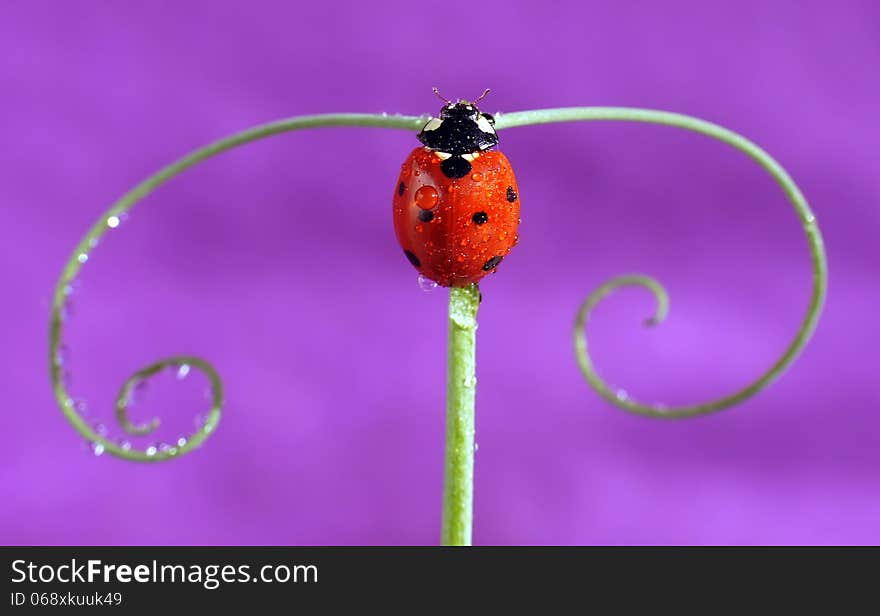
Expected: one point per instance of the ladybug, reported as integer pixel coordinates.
(456, 202)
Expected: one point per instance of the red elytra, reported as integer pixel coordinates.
(455, 230)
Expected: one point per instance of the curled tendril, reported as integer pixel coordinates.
(109, 221)
(802, 209)
(112, 217)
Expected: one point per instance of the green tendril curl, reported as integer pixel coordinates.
(458, 484)
(109, 221)
(802, 209)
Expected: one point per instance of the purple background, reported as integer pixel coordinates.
(278, 262)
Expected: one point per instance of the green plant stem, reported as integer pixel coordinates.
(458, 475)
(107, 223)
(805, 215)
(461, 386)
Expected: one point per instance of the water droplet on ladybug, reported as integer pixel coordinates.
(427, 197)
(426, 284)
(477, 177)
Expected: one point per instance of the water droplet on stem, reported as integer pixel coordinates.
(182, 371)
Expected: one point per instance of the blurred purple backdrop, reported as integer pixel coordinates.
(278, 262)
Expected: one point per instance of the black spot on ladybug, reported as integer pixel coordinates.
(455, 167)
(426, 215)
(492, 263)
(414, 259)
(511, 194)
(401, 188)
(481, 218)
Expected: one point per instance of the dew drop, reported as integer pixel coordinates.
(477, 177)
(125, 445)
(113, 222)
(426, 284)
(181, 441)
(810, 218)
(427, 197)
(66, 310)
(62, 355)
(476, 446)
(136, 392)
(470, 381)
(80, 406)
(151, 451)
(621, 394)
(167, 449)
(82, 257)
(182, 371)
(73, 286)
(97, 449)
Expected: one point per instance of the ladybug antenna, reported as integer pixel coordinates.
(440, 96)
(482, 96)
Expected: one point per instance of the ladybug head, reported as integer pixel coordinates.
(461, 128)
